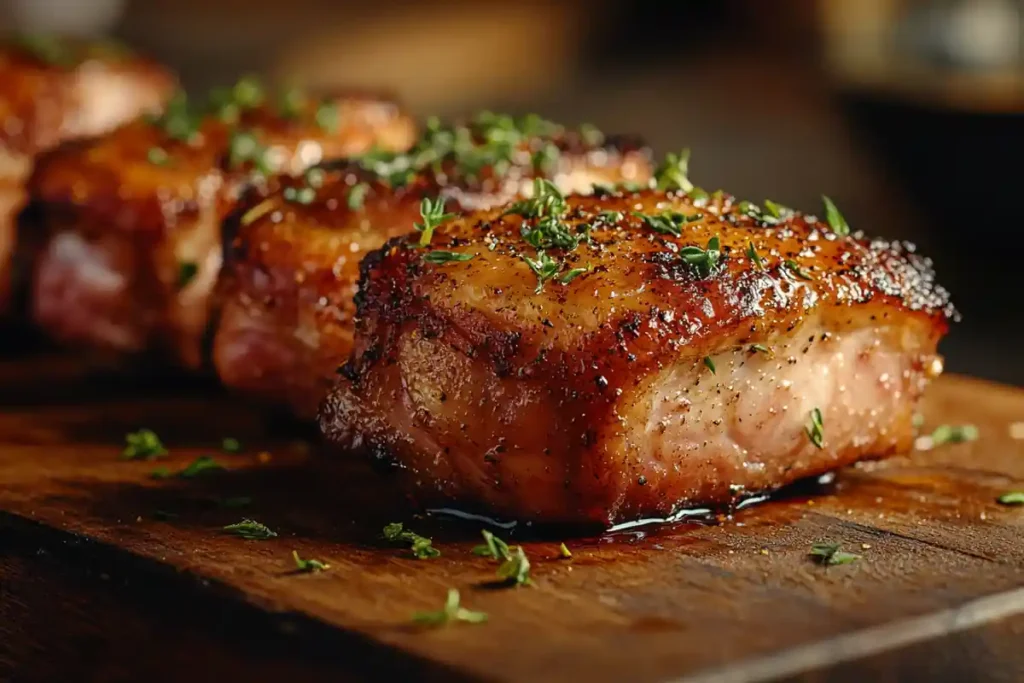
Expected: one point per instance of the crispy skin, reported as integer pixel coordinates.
(120, 227)
(88, 91)
(290, 274)
(591, 401)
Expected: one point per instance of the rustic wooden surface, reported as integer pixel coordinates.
(109, 575)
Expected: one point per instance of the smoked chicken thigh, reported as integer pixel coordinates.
(627, 355)
(292, 258)
(132, 221)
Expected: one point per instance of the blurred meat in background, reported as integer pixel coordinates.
(910, 114)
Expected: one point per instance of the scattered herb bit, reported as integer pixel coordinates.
(160, 473)
(747, 208)
(761, 348)
(698, 196)
(234, 502)
(545, 211)
(944, 434)
(231, 445)
(452, 612)
(703, 261)
(546, 158)
(187, 271)
(830, 555)
(258, 211)
(308, 565)
(673, 173)
(564, 552)
(544, 267)
(778, 210)
(143, 445)
(667, 223)
(250, 530)
(754, 257)
(710, 364)
(291, 102)
(1012, 498)
(815, 432)
(178, 121)
(796, 269)
(158, 156)
(492, 547)
(439, 257)
(204, 463)
(421, 546)
(327, 117)
(591, 134)
(611, 216)
(835, 219)
(249, 92)
(357, 196)
(244, 147)
(571, 275)
(300, 195)
(432, 213)
(516, 569)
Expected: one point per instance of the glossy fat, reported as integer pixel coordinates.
(289, 284)
(137, 221)
(592, 402)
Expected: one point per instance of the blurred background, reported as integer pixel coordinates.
(909, 113)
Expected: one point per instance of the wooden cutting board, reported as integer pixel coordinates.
(107, 574)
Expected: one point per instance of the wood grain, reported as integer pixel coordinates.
(941, 579)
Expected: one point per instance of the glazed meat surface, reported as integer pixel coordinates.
(132, 221)
(291, 268)
(52, 90)
(665, 351)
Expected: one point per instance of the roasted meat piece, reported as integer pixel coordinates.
(291, 268)
(602, 359)
(52, 90)
(132, 221)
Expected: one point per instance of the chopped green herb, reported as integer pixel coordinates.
(673, 172)
(309, 566)
(249, 92)
(944, 434)
(1012, 498)
(571, 275)
(666, 223)
(754, 257)
(796, 269)
(563, 551)
(698, 196)
(544, 267)
(244, 147)
(234, 502)
(815, 432)
(250, 530)
(703, 261)
(300, 195)
(357, 196)
(777, 210)
(452, 612)
(439, 257)
(830, 554)
(204, 463)
(187, 271)
(158, 156)
(710, 364)
(327, 117)
(761, 348)
(749, 209)
(421, 546)
(142, 445)
(611, 216)
(291, 102)
(516, 569)
(492, 547)
(179, 121)
(231, 445)
(591, 134)
(835, 219)
(433, 215)
(546, 158)
(161, 473)
(545, 211)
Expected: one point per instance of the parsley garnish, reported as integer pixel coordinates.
(492, 547)
(158, 156)
(300, 195)
(710, 364)
(760, 348)
(516, 569)
(571, 275)
(357, 196)
(187, 271)
(563, 551)
(161, 473)
(546, 209)
(204, 463)
(830, 555)
(754, 257)
(142, 445)
(327, 117)
(611, 216)
(1012, 498)
(452, 612)
(439, 257)
(544, 267)
(248, 92)
(244, 147)
(250, 530)
(421, 546)
(703, 261)
(230, 445)
(699, 196)
(178, 121)
(944, 434)
(432, 213)
(673, 172)
(777, 210)
(750, 209)
(796, 269)
(309, 566)
(667, 223)
(834, 218)
(815, 432)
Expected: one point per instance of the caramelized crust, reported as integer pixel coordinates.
(291, 269)
(644, 384)
(132, 220)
